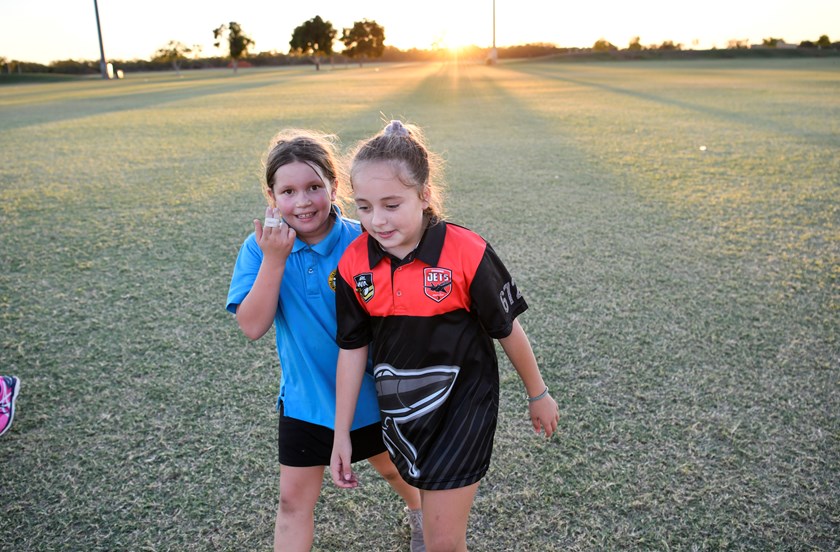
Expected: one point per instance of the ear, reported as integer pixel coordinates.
(332, 190)
(426, 196)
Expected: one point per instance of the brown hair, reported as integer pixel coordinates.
(404, 146)
(316, 149)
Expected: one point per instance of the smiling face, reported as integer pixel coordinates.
(390, 211)
(305, 200)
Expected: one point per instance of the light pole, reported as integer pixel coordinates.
(103, 67)
(494, 55)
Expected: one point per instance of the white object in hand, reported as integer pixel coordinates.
(271, 222)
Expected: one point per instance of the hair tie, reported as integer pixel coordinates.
(396, 128)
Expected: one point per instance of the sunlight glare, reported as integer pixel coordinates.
(462, 26)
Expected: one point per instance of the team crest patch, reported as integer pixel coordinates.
(437, 283)
(364, 285)
(331, 279)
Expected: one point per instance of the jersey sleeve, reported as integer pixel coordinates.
(494, 296)
(244, 272)
(354, 329)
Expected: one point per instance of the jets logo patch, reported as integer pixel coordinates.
(364, 285)
(437, 283)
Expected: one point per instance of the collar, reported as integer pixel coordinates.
(325, 246)
(428, 250)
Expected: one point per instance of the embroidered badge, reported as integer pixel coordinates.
(437, 283)
(364, 285)
(331, 279)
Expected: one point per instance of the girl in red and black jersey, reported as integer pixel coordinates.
(427, 298)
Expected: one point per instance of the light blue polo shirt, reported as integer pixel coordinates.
(305, 325)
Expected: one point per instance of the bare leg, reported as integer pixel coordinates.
(382, 463)
(445, 517)
(295, 524)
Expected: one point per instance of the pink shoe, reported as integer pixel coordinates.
(9, 387)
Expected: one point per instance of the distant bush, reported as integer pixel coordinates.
(72, 67)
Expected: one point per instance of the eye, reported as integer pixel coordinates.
(362, 207)
(392, 206)
(315, 187)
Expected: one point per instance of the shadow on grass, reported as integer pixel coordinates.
(817, 138)
(130, 94)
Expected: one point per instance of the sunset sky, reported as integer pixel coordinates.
(48, 30)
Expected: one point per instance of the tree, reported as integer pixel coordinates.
(173, 53)
(238, 42)
(313, 38)
(735, 44)
(669, 45)
(601, 45)
(771, 42)
(824, 42)
(365, 40)
(635, 44)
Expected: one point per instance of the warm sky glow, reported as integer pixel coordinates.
(48, 30)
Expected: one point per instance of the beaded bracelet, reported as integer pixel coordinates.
(538, 397)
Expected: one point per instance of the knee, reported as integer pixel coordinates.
(294, 503)
(390, 474)
(440, 542)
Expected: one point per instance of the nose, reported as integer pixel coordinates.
(377, 217)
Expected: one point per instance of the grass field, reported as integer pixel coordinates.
(674, 225)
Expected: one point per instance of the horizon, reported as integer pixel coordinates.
(136, 32)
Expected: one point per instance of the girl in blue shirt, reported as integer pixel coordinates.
(285, 275)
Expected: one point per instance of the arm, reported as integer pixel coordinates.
(348, 382)
(544, 411)
(256, 312)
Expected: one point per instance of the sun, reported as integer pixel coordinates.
(461, 28)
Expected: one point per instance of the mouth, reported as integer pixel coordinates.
(386, 235)
(303, 217)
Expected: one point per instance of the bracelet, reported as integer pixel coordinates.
(538, 397)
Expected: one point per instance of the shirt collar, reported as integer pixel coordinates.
(428, 250)
(325, 246)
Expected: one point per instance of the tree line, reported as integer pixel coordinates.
(312, 42)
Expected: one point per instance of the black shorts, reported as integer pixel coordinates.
(302, 444)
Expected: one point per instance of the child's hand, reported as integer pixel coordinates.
(340, 469)
(544, 414)
(277, 237)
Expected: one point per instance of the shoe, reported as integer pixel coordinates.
(415, 521)
(9, 387)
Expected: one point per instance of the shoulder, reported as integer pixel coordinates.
(464, 238)
(348, 226)
(357, 250)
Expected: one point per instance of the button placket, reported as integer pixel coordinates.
(310, 274)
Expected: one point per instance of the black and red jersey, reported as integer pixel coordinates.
(430, 320)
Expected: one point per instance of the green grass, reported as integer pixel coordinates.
(674, 226)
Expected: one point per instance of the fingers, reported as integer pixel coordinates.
(274, 230)
(342, 474)
(340, 469)
(284, 233)
(290, 232)
(546, 415)
(548, 426)
(549, 429)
